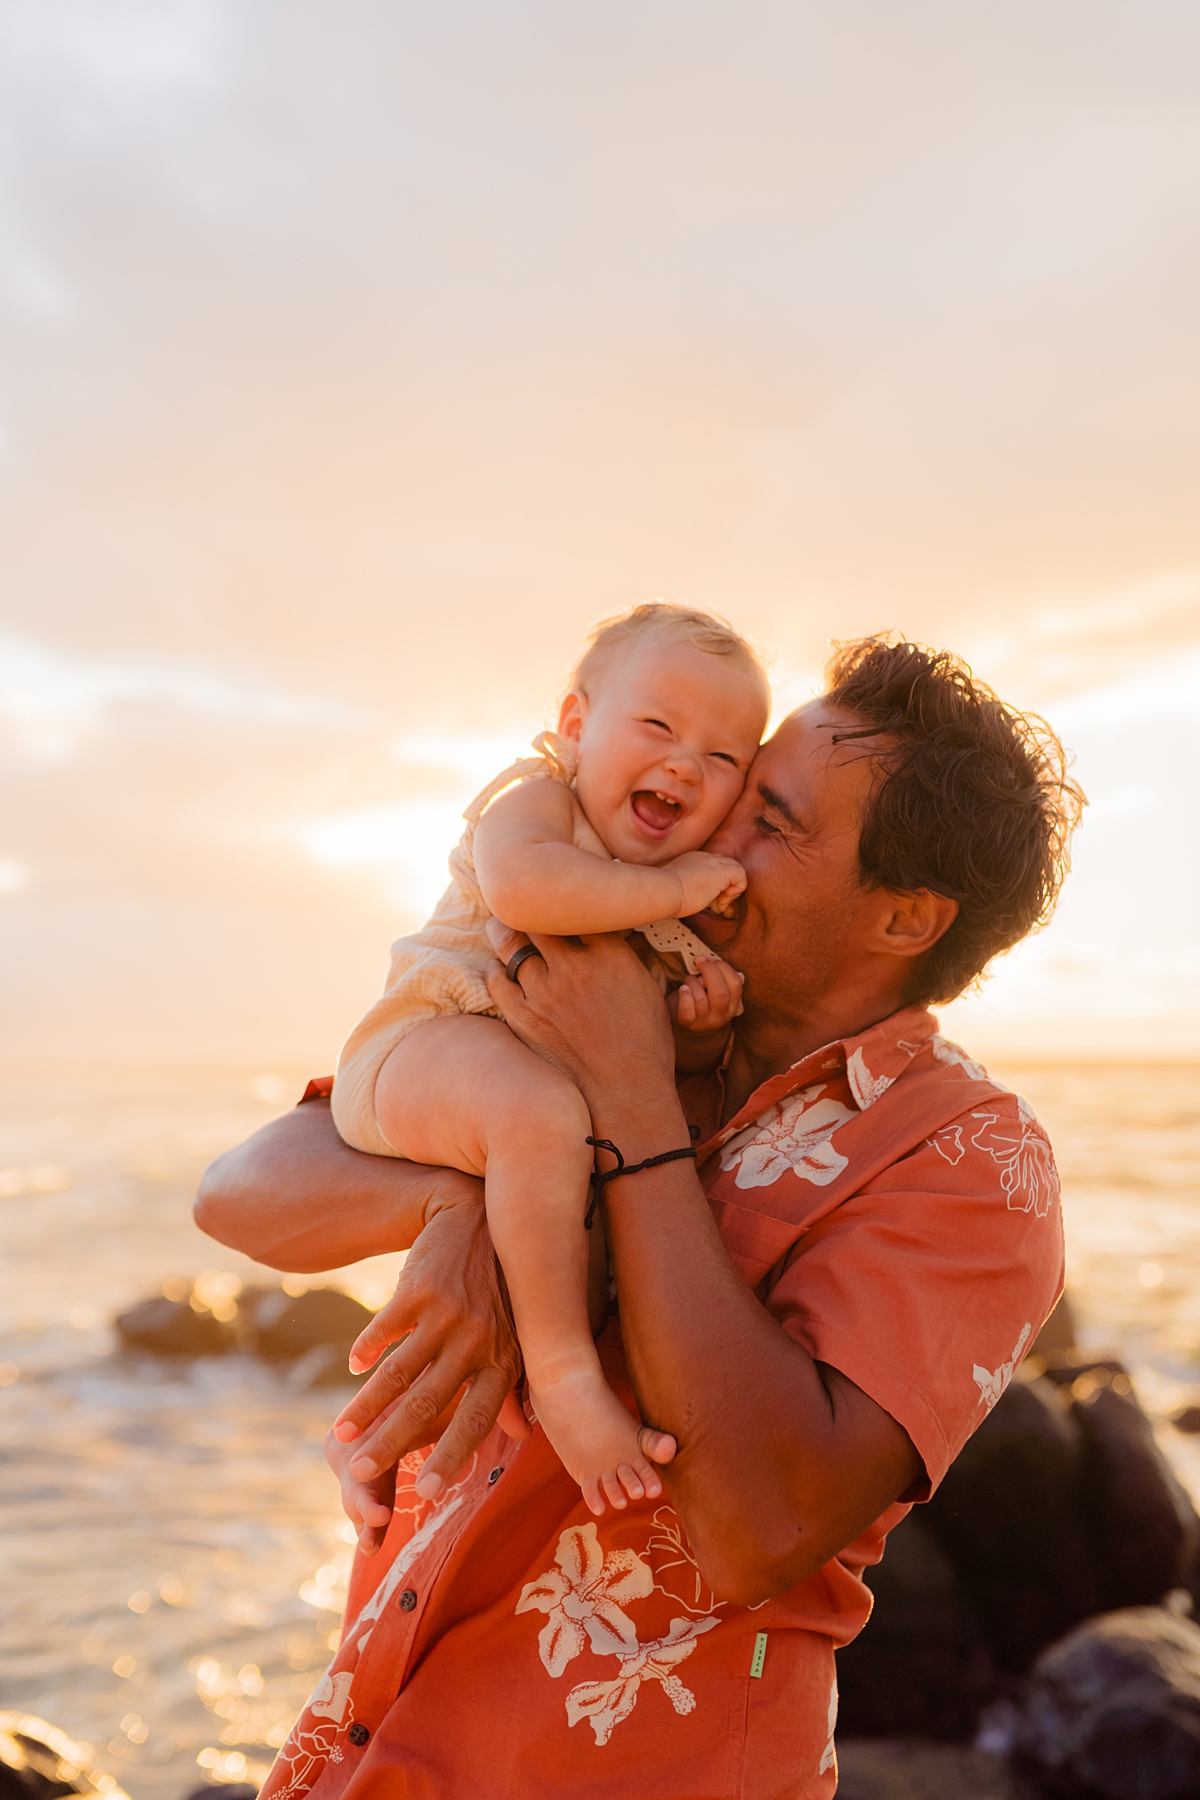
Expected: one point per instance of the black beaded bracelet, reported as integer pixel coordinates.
(601, 1177)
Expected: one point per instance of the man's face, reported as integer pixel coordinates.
(800, 928)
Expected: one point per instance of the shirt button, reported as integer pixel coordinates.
(408, 1599)
(358, 1734)
(496, 1474)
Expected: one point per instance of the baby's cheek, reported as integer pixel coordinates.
(710, 813)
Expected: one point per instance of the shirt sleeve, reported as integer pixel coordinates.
(927, 1287)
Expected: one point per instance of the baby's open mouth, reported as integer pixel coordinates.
(656, 811)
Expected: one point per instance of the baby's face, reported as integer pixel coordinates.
(665, 739)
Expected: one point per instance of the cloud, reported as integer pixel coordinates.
(52, 701)
(357, 358)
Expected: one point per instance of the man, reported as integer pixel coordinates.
(821, 1308)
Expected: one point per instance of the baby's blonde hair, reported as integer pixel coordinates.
(663, 618)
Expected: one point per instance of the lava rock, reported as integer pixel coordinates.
(31, 1768)
(312, 1332)
(172, 1328)
(1143, 1528)
(285, 1328)
(902, 1768)
(1113, 1713)
(1058, 1334)
(921, 1666)
(1009, 1517)
(224, 1790)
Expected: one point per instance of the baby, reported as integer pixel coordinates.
(600, 832)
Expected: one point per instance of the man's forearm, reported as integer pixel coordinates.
(294, 1196)
(781, 1462)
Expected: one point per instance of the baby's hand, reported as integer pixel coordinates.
(711, 882)
(709, 1000)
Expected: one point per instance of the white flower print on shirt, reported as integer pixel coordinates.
(793, 1134)
(581, 1597)
(829, 1755)
(606, 1703)
(584, 1597)
(865, 1087)
(331, 1696)
(955, 1057)
(992, 1382)
(1027, 1172)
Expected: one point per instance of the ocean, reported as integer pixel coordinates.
(174, 1556)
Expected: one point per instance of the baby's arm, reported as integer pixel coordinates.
(536, 877)
(702, 1013)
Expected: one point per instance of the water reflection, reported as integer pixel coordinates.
(176, 1559)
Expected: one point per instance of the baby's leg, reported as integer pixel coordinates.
(466, 1092)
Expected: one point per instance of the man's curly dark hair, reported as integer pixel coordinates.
(973, 801)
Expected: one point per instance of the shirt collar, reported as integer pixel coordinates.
(870, 1060)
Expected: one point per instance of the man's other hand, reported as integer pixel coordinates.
(454, 1367)
(367, 1504)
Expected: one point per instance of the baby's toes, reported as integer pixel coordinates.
(631, 1480)
(659, 1446)
(614, 1492)
(593, 1499)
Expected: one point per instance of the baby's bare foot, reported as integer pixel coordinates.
(601, 1444)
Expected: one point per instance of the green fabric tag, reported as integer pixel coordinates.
(760, 1654)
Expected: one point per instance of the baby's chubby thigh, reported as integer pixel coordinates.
(460, 1090)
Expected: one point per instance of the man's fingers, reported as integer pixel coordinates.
(367, 1504)
(503, 939)
(511, 1419)
(414, 1421)
(391, 1379)
(477, 1414)
(417, 1417)
(391, 1323)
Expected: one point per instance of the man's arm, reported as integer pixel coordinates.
(295, 1197)
(782, 1462)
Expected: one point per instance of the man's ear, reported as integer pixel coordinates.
(571, 715)
(913, 923)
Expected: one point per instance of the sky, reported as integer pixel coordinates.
(354, 360)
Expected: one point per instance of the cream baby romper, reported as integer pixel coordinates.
(441, 969)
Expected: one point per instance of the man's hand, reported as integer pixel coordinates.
(456, 1348)
(367, 1504)
(591, 1008)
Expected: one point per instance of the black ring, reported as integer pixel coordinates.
(514, 962)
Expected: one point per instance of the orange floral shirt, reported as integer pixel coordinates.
(898, 1212)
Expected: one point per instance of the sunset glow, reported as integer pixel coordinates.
(357, 360)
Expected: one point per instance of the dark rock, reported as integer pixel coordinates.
(172, 1328)
(1113, 1713)
(921, 1666)
(907, 1769)
(1058, 1333)
(1009, 1516)
(1143, 1527)
(1062, 1506)
(282, 1328)
(312, 1331)
(31, 1769)
(1059, 1509)
(224, 1790)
